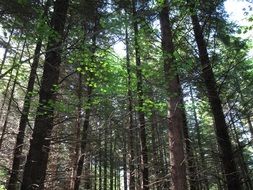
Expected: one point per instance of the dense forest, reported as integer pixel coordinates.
(172, 110)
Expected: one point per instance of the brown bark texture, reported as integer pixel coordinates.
(36, 164)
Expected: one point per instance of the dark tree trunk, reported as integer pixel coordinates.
(131, 123)
(36, 164)
(105, 157)
(111, 160)
(125, 160)
(23, 121)
(95, 172)
(221, 129)
(100, 163)
(141, 115)
(175, 115)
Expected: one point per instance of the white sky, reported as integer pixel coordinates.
(235, 10)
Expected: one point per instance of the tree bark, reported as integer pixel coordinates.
(83, 141)
(23, 121)
(36, 164)
(77, 131)
(141, 115)
(100, 162)
(105, 159)
(175, 114)
(131, 123)
(221, 129)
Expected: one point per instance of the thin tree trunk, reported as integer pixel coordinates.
(243, 103)
(204, 186)
(86, 124)
(192, 170)
(105, 158)
(87, 173)
(9, 82)
(4, 127)
(111, 160)
(175, 114)
(37, 159)
(23, 121)
(131, 124)
(221, 129)
(83, 141)
(125, 160)
(95, 172)
(141, 115)
(156, 161)
(100, 162)
(78, 131)
(241, 160)
(163, 157)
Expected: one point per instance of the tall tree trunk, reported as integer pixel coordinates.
(23, 121)
(100, 162)
(221, 129)
(141, 115)
(241, 159)
(248, 118)
(36, 164)
(163, 157)
(131, 123)
(86, 124)
(105, 162)
(87, 173)
(156, 162)
(95, 172)
(83, 140)
(175, 114)
(191, 161)
(111, 159)
(202, 167)
(9, 81)
(125, 160)
(77, 131)
(5, 123)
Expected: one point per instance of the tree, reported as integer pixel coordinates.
(175, 114)
(24, 116)
(141, 114)
(36, 164)
(221, 129)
